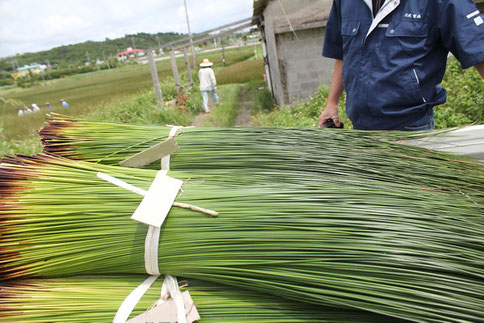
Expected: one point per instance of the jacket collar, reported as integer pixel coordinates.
(385, 10)
(369, 3)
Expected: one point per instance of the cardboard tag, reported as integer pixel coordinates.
(158, 200)
(151, 154)
(167, 312)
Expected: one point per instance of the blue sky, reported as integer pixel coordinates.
(33, 25)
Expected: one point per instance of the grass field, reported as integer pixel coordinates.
(93, 91)
(242, 72)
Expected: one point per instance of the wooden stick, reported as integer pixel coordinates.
(195, 208)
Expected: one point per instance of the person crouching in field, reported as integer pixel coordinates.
(208, 83)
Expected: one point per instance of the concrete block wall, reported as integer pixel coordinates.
(302, 67)
(294, 39)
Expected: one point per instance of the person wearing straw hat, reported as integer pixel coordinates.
(208, 83)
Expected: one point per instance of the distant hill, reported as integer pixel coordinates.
(76, 54)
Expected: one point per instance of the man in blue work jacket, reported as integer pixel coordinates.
(391, 57)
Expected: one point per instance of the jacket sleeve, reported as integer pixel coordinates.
(461, 28)
(333, 43)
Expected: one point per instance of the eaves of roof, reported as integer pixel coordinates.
(258, 8)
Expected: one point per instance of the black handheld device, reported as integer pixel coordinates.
(330, 124)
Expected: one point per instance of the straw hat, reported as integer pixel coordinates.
(206, 63)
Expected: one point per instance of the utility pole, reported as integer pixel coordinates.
(88, 58)
(174, 68)
(132, 40)
(191, 39)
(156, 81)
(223, 49)
(187, 64)
(159, 46)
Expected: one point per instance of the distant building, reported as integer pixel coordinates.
(27, 69)
(130, 53)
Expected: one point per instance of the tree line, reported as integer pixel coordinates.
(77, 54)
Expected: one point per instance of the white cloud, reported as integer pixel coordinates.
(29, 25)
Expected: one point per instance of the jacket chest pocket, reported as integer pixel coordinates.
(349, 33)
(408, 35)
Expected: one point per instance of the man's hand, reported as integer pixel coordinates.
(335, 92)
(330, 112)
(480, 68)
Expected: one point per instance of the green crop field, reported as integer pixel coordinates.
(91, 91)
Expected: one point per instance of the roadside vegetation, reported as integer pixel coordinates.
(302, 115)
(465, 97)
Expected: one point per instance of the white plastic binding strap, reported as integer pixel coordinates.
(151, 251)
(153, 235)
(130, 302)
(122, 184)
(165, 161)
(169, 289)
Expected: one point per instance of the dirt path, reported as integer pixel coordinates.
(199, 120)
(243, 118)
(244, 108)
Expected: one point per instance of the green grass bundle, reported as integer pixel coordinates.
(393, 249)
(344, 155)
(97, 298)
